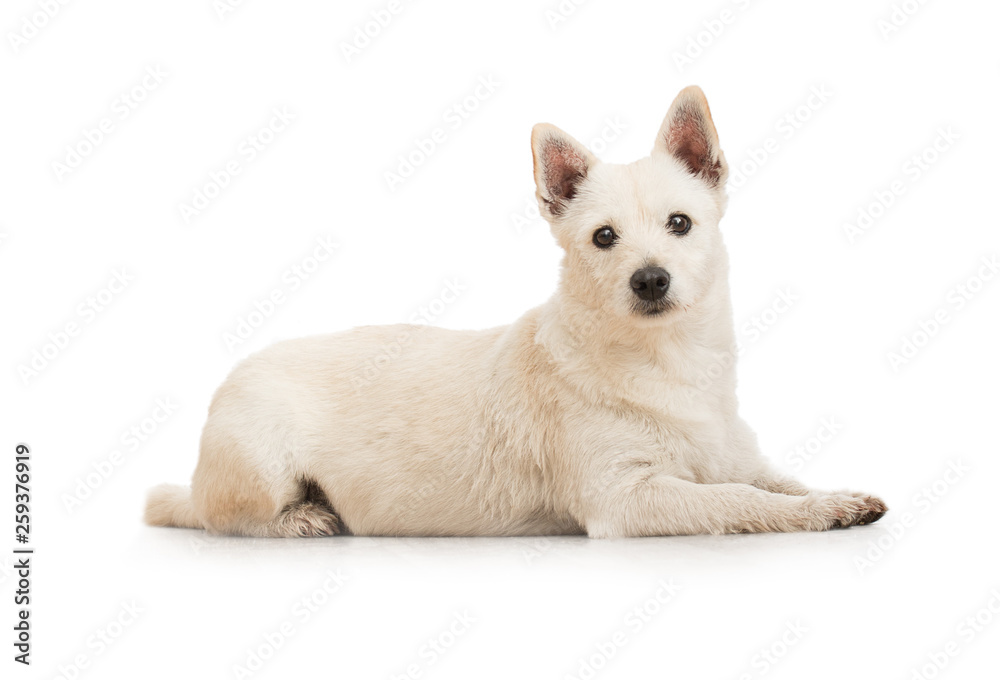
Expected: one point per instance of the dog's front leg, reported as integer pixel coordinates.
(775, 482)
(661, 505)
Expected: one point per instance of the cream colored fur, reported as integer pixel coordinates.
(583, 416)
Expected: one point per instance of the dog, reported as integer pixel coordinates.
(606, 411)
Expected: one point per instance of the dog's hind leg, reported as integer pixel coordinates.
(234, 491)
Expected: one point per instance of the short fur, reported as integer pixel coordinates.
(594, 413)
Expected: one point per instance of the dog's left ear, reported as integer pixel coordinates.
(688, 134)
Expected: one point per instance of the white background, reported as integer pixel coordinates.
(542, 607)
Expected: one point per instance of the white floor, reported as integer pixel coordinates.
(784, 606)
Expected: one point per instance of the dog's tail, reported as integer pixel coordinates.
(169, 505)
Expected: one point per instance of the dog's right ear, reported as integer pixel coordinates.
(561, 164)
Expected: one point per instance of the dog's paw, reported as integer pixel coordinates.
(309, 519)
(876, 506)
(838, 510)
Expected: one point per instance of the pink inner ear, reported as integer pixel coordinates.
(687, 140)
(564, 167)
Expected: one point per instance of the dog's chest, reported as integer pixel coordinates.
(682, 429)
(688, 448)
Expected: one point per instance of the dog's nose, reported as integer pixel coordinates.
(650, 283)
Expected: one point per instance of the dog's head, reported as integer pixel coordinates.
(641, 240)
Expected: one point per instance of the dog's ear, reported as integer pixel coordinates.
(688, 134)
(561, 164)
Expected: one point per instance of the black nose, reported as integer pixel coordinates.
(651, 283)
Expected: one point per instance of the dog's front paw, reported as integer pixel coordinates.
(876, 506)
(837, 510)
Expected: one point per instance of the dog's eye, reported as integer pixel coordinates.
(605, 237)
(679, 223)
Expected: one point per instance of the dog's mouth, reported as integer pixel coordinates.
(647, 309)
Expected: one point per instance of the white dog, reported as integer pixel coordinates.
(605, 411)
